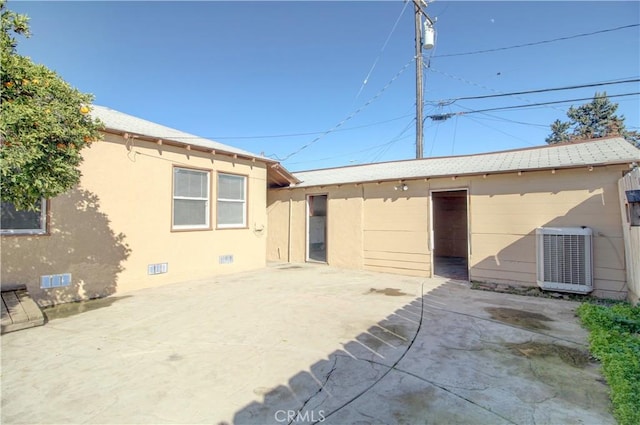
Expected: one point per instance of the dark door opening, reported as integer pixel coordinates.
(317, 228)
(450, 234)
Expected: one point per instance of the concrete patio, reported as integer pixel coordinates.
(305, 344)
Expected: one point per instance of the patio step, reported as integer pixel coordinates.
(19, 311)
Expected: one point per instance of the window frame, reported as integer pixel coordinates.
(190, 227)
(245, 201)
(44, 223)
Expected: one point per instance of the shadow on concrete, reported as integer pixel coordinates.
(418, 365)
(350, 372)
(81, 242)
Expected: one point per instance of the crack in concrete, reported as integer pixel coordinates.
(442, 387)
(394, 367)
(322, 385)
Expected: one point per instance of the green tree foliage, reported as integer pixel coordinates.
(591, 121)
(44, 124)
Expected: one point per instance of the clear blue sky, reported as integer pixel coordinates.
(238, 71)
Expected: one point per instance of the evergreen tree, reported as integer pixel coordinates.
(43, 125)
(591, 121)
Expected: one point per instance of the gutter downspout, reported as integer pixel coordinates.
(289, 232)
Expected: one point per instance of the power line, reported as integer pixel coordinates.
(272, 136)
(381, 145)
(375, 62)
(487, 96)
(442, 117)
(480, 85)
(538, 42)
(353, 114)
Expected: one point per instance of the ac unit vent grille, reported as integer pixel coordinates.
(564, 259)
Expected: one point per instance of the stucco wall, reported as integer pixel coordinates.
(118, 221)
(507, 209)
(504, 211)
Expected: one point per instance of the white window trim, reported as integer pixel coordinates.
(43, 224)
(238, 201)
(207, 200)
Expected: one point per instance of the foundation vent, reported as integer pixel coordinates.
(564, 258)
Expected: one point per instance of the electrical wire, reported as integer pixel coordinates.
(440, 117)
(375, 62)
(394, 140)
(272, 136)
(487, 96)
(535, 43)
(472, 83)
(347, 153)
(353, 114)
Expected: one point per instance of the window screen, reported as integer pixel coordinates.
(232, 205)
(190, 199)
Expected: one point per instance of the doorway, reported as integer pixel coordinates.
(450, 234)
(317, 228)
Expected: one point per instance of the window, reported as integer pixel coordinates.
(13, 222)
(190, 199)
(232, 201)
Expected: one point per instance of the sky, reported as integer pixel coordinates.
(332, 83)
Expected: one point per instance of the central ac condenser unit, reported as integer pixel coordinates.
(564, 259)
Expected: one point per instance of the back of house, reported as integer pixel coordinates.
(550, 216)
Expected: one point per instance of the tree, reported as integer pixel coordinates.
(590, 121)
(44, 124)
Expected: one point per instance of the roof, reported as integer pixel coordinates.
(120, 122)
(615, 150)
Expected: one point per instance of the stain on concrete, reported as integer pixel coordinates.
(522, 318)
(371, 341)
(174, 357)
(413, 405)
(571, 356)
(61, 311)
(390, 292)
(397, 331)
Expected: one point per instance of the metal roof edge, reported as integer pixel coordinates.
(401, 161)
(456, 175)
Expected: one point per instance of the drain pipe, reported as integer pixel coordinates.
(289, 232)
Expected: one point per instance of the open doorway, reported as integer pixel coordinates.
(450, 235)
(317, 228)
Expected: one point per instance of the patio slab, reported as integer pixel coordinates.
(306, 344)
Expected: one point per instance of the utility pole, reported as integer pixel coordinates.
(425, 40)
(419, 90)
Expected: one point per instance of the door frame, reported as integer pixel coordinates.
(326, 229)
(432, 230)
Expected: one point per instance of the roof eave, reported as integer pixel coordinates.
(170, 142)
(277, 175)
(457, 175)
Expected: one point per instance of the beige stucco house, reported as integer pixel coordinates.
(155, 205)
(548, 215)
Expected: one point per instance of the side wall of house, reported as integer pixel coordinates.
(504, 211)
(107, 231)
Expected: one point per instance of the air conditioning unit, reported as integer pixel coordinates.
(564, 258)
